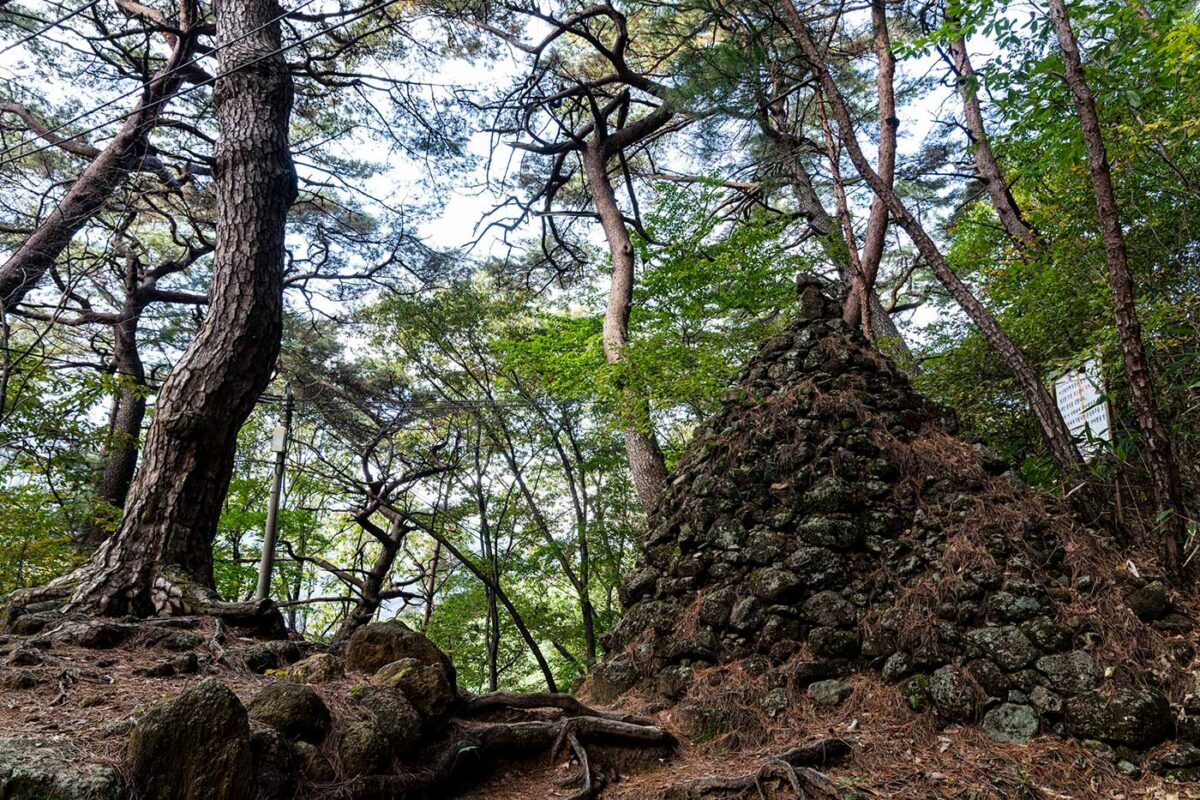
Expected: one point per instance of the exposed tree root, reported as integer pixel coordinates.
(570, 706)
(469, 747)
(792, 768)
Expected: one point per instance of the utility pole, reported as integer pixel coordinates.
(279, 443)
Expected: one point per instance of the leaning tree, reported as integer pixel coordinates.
(160, 558)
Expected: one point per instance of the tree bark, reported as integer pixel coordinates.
(809, 204)
(120, 453)
(1164, 471)
(371, 585)
(1055, 431)
(986, 166)
(646, 463)
(160, 559)
(108, 170)
(857, 309)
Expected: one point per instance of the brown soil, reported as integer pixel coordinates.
(899, 753)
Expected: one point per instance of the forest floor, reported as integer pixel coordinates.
(90, 698)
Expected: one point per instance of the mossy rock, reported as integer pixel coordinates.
(293, 709)
(193, 747)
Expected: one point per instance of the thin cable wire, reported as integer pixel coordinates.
(52, 25)
(136, 90)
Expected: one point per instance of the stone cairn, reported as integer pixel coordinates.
(827, 522)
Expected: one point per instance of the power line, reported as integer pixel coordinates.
(194, 86)
(54, 24)
(134, 90)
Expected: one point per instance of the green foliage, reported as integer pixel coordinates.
(1056, 302)
(45, 471)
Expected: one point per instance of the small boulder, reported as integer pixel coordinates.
(1011, 722)
(425, 685)
(773, 585)
(898, 666)
(700, 723)
(1069, 673)
(830, 609)
(829, 693)
(1009, 607)
(293, 709)
(608, 680)
(318, 668)
(952, 694)
(915, 691)
(1150, 602)
(834, 643)
(18, 679)
(381, 643)
(314, 766)
(275, 654)
(184, 664)
(1139, 718)
(1181, 764)
(25, 657)
(395, 716)
(274, 765)
(1007, 645)
(1046, 701)
(193, 747)
(45, 770)
(362, 749)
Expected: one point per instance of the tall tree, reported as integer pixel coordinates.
(567, 115)
(986, 164)
(160, 558)
(1054, 430)
(1164, 471)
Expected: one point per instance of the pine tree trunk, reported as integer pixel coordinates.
(1045, 410)
(858, 308)
(646, 463)
(1164, 471)
(160, 558)
(119, 458)
(986, 165)
(809, 204)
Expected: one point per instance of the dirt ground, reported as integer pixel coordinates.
(90, 698)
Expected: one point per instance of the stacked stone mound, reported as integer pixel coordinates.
(827, 521)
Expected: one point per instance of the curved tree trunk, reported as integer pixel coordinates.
(108, 170)
(371, 585)
(810, 206)
(160, 559)
(646, 462)
(1045, 410)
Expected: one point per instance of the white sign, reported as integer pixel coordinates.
(279, 440)
(1080, 396)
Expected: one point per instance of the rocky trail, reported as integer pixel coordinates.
(837, 598)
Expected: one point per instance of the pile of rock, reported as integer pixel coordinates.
(827, 521)
(204, 743)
